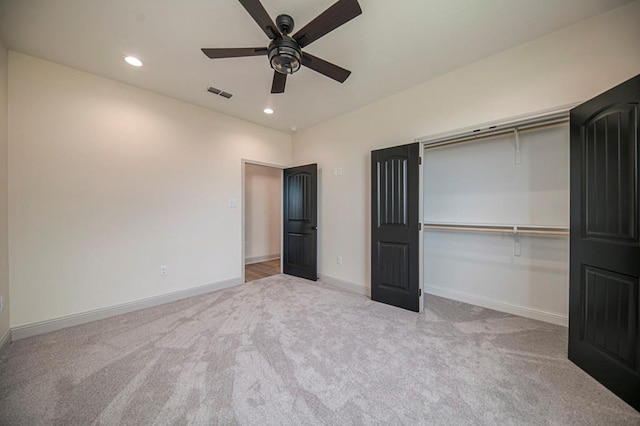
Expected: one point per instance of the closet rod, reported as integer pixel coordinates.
(509, 131)
(508, 229)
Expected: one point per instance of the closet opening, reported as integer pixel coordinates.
(262, 220)
(496, 217)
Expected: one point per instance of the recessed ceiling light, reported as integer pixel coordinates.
(132, 60)
(268, 111)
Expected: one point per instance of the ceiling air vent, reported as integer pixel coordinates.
(219, 92)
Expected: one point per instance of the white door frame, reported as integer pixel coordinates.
(469, 134)
(242, 204)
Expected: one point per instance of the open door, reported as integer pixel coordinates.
(604, 320)
(395, 226)
(300, 222)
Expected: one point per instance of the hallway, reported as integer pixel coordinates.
(255, 271)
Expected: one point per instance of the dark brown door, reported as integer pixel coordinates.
(605, 247)
(395, 261)
(300, 215)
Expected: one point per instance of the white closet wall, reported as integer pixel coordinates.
(480, 183)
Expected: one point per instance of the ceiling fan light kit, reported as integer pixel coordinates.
(285, 52)
(285, 56)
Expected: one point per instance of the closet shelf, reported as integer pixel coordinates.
(512, 229)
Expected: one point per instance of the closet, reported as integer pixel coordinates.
(496, 217)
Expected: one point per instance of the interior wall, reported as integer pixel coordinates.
(4, 225)
(263, 203)
(565, 67)
(481, 183)
(109, 182)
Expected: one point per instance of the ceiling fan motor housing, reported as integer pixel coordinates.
(285, 55)
(284, 24)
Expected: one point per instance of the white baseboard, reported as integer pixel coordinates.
(258, 259)
(5, 341)
(499, 305)
(345, 285)
(41, 327)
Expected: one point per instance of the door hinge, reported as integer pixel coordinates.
(420, 161)
(419, 292)
(419, 227)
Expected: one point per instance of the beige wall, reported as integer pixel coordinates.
(109, 182)
(565, 67)
(263, 201)
(4, 234)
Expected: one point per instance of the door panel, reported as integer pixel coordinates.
(609, 305)
(395, 247)
(610, 193)
(300, 222)
(604, 317)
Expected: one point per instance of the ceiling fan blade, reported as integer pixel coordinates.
(326, 68)
(235, 52)
(279, 81)
(341, 12)
(262, 18)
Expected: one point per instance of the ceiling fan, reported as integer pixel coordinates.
(285, 51)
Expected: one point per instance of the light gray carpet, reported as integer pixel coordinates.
(286, 351)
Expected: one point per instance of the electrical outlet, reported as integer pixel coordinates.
(164, 271)
(339, 260)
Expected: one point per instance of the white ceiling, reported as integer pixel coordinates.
(392, 46)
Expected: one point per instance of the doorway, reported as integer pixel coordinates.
(262, 236)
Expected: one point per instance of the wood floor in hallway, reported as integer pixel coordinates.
(255, 271)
